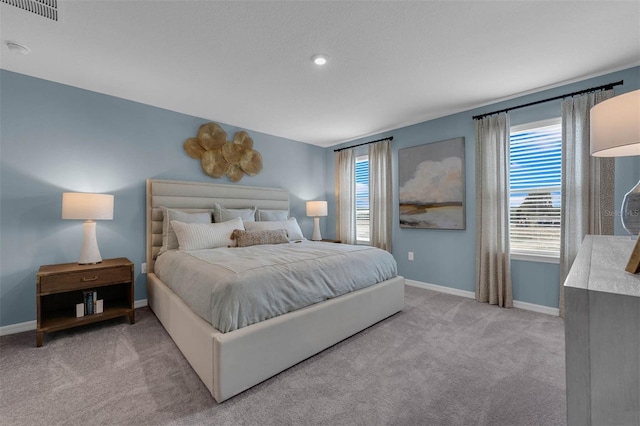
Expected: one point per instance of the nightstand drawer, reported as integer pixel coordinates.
(86, 279)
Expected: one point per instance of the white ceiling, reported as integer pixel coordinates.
(391, 64)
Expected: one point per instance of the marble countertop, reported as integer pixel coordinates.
(600, 265)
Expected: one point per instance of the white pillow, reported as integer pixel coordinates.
(291, 226)
(268, 215)
(169, 240)
(220, 214)
(196, 236)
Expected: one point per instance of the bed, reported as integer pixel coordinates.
(229, 363)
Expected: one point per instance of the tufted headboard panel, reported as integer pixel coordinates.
(198, 197)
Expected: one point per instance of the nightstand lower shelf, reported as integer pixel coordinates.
(57, 321)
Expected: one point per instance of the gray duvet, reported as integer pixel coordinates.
(235, 287)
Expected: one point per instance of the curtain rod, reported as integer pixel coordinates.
(390, 138)
(567, 95)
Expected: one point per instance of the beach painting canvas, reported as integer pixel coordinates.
(431, 185)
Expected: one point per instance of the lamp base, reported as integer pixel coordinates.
(316, 229)
(89, 254)
(633, 266)
(630, 211)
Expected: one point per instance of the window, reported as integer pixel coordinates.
(362, 199)
(534, 186)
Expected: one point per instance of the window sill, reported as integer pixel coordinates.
(535, 258)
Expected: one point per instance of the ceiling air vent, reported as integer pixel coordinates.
(45, 8)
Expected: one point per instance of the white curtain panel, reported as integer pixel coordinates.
(587, 183)
(493, 261)
(380, 195)
(345, 196)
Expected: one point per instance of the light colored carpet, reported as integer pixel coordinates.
(443, 360)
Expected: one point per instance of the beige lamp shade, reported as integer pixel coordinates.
(615, 126)
(86, 206)
(317, 208)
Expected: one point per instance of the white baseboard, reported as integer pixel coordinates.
(18, 328)
(31, 325)
(140, 303)
(441, 289)
(471, 295)
(536, 308)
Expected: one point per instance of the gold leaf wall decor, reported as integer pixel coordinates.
(219, 157)
(251, 162)
(214, 164)
(193, 148)
(235, 173)
(232, 152)
(242, 138)
(211, 136)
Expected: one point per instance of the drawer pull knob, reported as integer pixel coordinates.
(94, 278)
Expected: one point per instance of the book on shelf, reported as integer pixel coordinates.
(92, 305)
(88, 302)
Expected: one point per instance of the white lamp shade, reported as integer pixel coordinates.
(615, 126)
(89, 207)
(317, 208)
(85, 206)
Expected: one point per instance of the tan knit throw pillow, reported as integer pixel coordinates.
(253, 238)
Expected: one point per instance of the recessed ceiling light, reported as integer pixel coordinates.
(319, 59)
(17, 47)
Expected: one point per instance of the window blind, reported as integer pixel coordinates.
(362, 199)
(534, 184)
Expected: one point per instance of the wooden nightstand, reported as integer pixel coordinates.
(331, 241)
(59, 289)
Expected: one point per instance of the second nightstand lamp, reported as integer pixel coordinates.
(88, 207)
(316, 209)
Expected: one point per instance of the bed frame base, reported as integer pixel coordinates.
(229, 363)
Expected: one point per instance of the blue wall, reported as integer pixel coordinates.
(56, 138)
(446, 257)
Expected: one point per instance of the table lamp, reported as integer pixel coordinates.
(615, 132)
(88, 207)
(316, 209)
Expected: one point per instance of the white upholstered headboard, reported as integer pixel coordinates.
(201, 196)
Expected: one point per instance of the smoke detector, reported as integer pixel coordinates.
(17, 47)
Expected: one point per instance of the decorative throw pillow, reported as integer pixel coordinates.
(249, 238)
(196, 236)
(270, 215)
(221, 214)
(291, 226)
(169, 239)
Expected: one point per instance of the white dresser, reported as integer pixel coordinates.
(602, 335)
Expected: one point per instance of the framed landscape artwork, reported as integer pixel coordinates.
(431, 185)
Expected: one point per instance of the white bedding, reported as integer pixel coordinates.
(235, 287)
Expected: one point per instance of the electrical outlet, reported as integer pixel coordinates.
(410, 255)
(144, 268)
